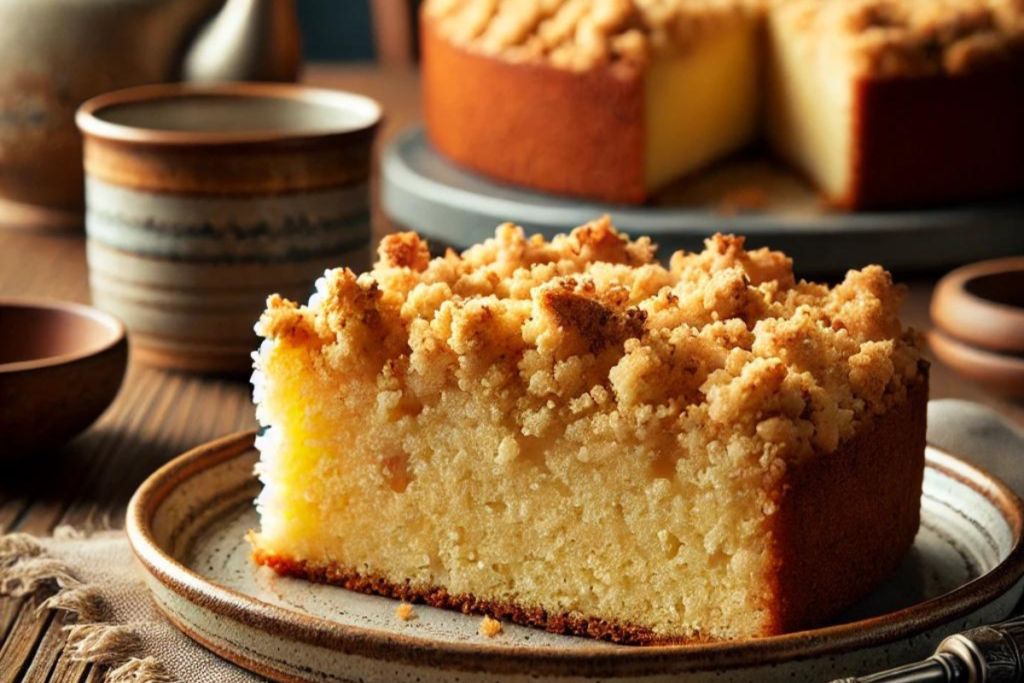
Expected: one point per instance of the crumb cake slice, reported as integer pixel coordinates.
(570, 435)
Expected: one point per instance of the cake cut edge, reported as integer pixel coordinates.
(825, 584)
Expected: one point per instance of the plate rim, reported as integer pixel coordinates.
(382, 645)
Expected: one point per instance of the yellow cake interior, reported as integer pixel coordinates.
(808, 104)
(701, 104)
(454, 497)
(717, 71)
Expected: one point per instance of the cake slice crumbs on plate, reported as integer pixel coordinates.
(490, 627)
(405, 612)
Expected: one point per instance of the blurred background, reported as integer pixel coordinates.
(185, 237)
(358, 30)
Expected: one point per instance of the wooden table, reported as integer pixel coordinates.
(159, 415)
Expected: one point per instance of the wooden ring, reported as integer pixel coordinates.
(1003, 373)
(983, 305)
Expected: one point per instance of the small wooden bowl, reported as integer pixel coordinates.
(61, 365)
(983, 305)
(1003, 373)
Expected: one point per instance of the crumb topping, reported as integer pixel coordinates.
(720, 347)
(490, 627)
(579, 34)
(904, 38)
(405, 612)
(884, 38)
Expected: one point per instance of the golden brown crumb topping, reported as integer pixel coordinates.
(884, 38)
(579, 34)
(719, 346)
(894, 38)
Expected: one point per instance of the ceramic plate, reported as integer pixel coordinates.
(187, 524)
(424, 192)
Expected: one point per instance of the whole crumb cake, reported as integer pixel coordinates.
(877, 103)
(570, 435)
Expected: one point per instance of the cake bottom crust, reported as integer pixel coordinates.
(564, 624)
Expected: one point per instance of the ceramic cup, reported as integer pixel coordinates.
(201, 201)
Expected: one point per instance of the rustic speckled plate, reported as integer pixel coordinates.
(187, 522)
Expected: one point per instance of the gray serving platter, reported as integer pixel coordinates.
(422, 191)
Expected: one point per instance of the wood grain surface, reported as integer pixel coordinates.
(159, 415)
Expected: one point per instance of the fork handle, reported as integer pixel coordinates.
(992, 654)
(986, 654)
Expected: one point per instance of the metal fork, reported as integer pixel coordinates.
(987, 654)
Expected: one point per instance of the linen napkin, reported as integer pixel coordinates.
(94, 576)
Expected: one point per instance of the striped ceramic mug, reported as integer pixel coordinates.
(201, 201)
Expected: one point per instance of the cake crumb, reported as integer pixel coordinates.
(405, 612)
(743, 200)
(490, 627)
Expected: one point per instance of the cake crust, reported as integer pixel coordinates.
(535, 125)
(909, 155)
(566, 624)
(839, 502)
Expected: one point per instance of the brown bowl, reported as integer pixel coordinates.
(1000, 372)
(61, 365)
(983, 305)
